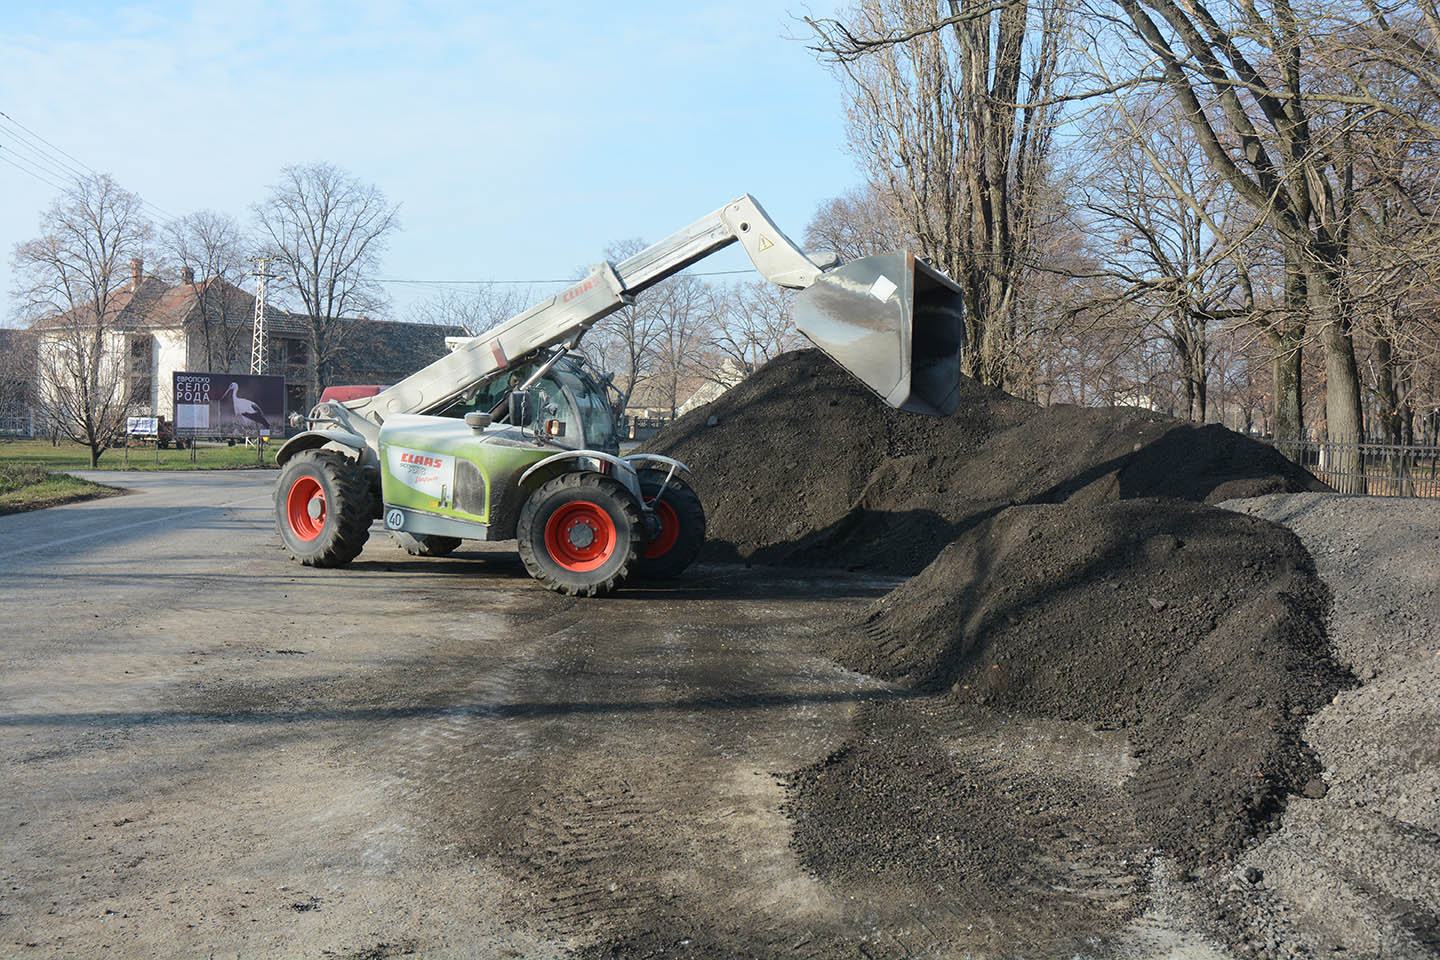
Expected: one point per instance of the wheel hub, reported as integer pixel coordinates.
(581, 534)
(305, 508)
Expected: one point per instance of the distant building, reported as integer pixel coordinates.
(652, 398)
(159, 328)
(17, 383)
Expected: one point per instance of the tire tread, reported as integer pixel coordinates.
(350, 503)
(545, 571)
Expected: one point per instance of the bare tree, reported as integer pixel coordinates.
(483, 308)
(327, 230)
(626, 343)
(952, 112)
(1241, 83)
(857, 224)
(753, 324)
(1163, 226)
(72, 276)
(686, 309)
(210, 248)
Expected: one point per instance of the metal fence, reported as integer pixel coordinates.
(1377, 469)
(17, 426)
(642, 428)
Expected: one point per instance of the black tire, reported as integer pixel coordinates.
(424, 544)
(682, 533)
(550, 534)
(332, 532)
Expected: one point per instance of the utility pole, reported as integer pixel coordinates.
(259, 343)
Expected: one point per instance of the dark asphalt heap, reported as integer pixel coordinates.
(1198, 631)
(803, 466)
(1066, 570)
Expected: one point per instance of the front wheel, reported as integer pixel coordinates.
(580, 534)
(323, 508)
(678, 527)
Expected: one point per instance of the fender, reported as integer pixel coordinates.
(313, 439)
(656, 458)
(673, 464)
(623, 471)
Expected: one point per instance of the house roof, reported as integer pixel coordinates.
(158, 305)
(386, 351)
(372, 351)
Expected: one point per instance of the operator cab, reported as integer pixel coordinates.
(568, 393)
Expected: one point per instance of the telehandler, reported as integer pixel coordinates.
(511, 436)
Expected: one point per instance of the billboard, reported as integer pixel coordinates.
(229, 405)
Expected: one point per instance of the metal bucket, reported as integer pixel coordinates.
(896, 323)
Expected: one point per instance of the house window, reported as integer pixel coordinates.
(140, 354)
(140, 388)
(297, 352)
(295, 398)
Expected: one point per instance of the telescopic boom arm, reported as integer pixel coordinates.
(891, 320)
(567, 315)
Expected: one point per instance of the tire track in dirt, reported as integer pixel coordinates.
(618, 761)
(1008, 836)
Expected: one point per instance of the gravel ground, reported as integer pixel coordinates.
(1355, 868)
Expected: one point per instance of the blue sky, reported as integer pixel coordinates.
(520, 138)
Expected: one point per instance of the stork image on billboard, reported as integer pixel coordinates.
(233, 405)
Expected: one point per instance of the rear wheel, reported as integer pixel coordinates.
(679, 527)
(322, 508)
(424, 544)
(580, 534)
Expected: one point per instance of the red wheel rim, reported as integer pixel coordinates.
(580, 536)
(305, 508)
(664, 541)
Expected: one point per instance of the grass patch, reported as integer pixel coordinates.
(28, 487)
(73, 456)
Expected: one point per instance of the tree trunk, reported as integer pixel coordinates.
(1344, 421)
(1286, 337)
(316, 341)
(1289, 411)
(1388, 393)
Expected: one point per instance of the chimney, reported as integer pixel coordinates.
(137, 272)
(187, 275)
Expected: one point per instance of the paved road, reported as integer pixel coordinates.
(210, 750)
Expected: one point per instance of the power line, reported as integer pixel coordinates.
(459, 283)
(54, 166)
(30, 172)
(46, 142)
(40, 155)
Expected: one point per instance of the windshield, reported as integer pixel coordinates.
(566, 381)
(596, 417)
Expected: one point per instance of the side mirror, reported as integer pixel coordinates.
(521, 413)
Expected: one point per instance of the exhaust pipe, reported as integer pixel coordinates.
(896, 323)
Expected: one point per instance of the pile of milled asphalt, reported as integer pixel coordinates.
(1066, 569)
(800, 465)
(1198, 631)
